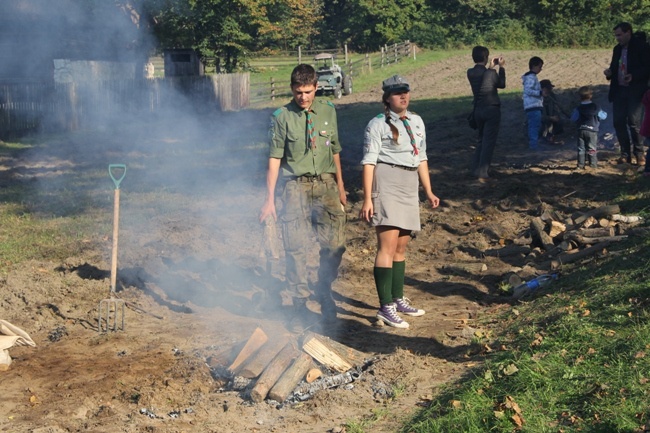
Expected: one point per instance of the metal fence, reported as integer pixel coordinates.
(27, 107)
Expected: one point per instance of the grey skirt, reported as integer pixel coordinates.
(395, 198)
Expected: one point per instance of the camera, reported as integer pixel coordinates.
(495, 60)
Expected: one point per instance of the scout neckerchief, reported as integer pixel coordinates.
(405, 121)
(311, 131)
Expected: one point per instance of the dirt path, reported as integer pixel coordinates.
(195, 267)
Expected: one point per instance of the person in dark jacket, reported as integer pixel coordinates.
(485, 78)
(551, 114)
(628, 74)
(587, 116)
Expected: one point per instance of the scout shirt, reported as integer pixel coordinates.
(289, 141)
(378, 144)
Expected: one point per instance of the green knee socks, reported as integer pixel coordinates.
(390, 282)
(383, 282)
(398, 279)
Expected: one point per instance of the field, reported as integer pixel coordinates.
(189, 260)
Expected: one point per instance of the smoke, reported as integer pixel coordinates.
(195, 176)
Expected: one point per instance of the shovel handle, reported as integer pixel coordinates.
(117, 172)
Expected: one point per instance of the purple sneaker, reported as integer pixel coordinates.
(388, 314)
(403, 306)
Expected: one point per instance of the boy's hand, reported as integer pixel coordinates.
(608, 73)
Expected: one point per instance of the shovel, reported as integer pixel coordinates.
(111, 310)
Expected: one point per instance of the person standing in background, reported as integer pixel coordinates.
(485, 78)
(394, 157)
(587, 116)
(533, 101)
(628, 75)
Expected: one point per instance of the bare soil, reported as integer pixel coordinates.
(195, 273)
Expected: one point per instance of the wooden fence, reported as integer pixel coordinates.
(55, 107)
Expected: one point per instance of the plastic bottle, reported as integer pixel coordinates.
(534, 284)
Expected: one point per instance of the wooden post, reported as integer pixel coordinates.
(290, 378)
(345, 49)
(272, 89)
(299, 54)
(273, 371)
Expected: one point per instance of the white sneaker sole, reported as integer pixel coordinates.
(416, 314)
(402, 325)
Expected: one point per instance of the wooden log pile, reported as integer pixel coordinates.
(282, 368)
(554, 240)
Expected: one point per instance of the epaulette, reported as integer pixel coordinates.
(277, 112)
(327, 103)
(379, 116)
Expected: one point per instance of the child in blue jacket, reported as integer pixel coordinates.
(533, 100)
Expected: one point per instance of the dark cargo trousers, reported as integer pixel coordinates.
(312, 203)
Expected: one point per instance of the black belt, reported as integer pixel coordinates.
(313, 178)
(403, 167)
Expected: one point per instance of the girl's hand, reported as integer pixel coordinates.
(366, 211)
(435, 201)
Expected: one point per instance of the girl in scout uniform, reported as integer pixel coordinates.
(394, 157)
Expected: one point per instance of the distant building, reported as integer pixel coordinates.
(182, 63)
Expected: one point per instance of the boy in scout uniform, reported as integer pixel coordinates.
(304, 163)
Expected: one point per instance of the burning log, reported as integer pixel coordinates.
(330, 353)
(290, 378)
(256, 340)
(273, 372)
(313, 374)
(255, 365)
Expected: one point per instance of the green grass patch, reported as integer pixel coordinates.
(576, 359)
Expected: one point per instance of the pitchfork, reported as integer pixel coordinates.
(111, 310)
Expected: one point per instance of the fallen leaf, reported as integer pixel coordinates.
(591, 351)
(512, 404)
(639, 355)
(510, 370)
(456, 404)
(586, 313)
(499, 414)
(518, 420)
